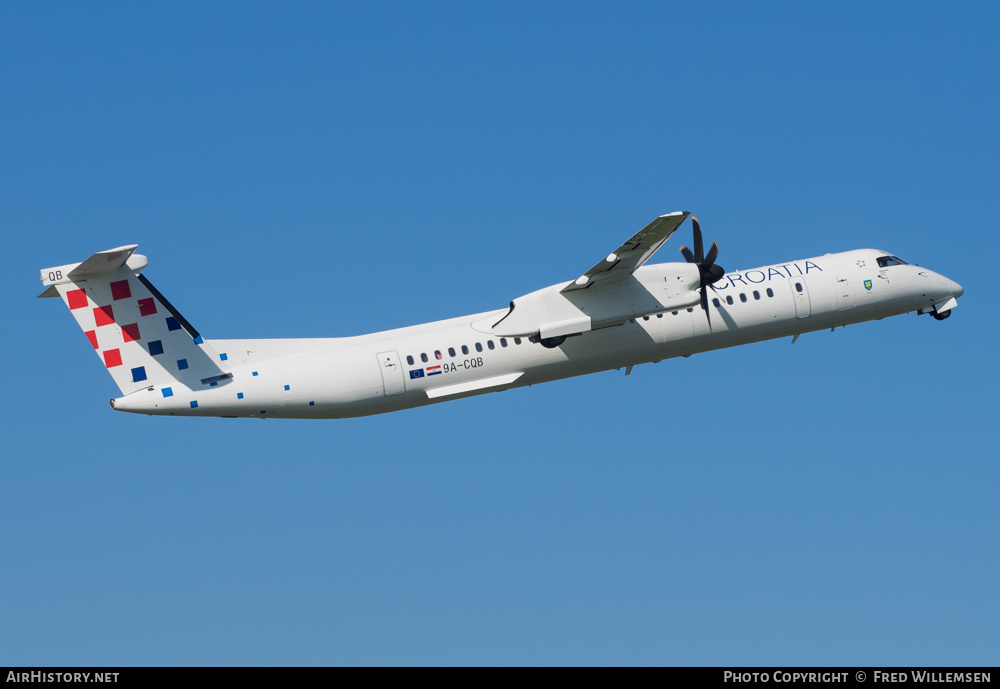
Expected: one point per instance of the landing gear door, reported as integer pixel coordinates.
(392, 373)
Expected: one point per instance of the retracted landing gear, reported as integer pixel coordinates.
(552, 342)
(941, 316)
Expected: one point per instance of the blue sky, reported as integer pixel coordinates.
(328, 169)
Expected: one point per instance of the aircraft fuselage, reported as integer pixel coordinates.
(461, 357)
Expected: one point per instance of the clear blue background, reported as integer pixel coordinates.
(321, 169)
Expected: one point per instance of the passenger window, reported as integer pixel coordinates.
(451, 352)
(479, 347)
(437, 354)
(659, 315)
(645, 318)
(409, 359)
(770, 292)
(489, 343)
(423, 358)
(729, 300)
(517, 340)
(798, 287)
(716, 302)
(673, 313)
(465, 349)
(503, 341)
(743, 298)
(691, 310)
(756, 295)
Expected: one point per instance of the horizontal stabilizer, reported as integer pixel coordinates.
(104, 261)
(108, 261)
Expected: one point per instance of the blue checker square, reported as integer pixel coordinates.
(312, 404)
(168, 392)
(138, 373)
(182, 364)
(239, 395)
(156, 347)
(224, 356)
(255, 373)
(198, 340)
(194, 404)
(172, 323)
(288, 387)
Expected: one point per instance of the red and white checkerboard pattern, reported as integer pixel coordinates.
(134, 335)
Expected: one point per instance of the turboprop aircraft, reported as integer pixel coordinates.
(619, 313)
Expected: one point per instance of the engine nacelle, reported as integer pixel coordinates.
(552, 312)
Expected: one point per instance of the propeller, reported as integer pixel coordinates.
(710, 273)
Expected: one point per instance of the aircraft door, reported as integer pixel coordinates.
(392, 373)
(800, 293)
(843, 291)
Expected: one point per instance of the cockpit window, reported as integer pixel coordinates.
(886, 261)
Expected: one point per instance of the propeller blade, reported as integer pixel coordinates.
(713, 253)
(709, 272)
(699, 247)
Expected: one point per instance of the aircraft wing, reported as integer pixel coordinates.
(624, 260)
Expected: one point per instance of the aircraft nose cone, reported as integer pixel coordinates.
(956, 289)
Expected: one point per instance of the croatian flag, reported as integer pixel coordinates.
(434, 370)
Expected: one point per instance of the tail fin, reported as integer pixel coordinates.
(139, 336)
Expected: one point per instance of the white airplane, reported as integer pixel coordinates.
(618, 314)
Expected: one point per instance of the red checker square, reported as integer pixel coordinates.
(104, 315)
(147, 307)
(92, 336)
(112, 358)
(131, 332)
(77, 299)
(120, 290)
